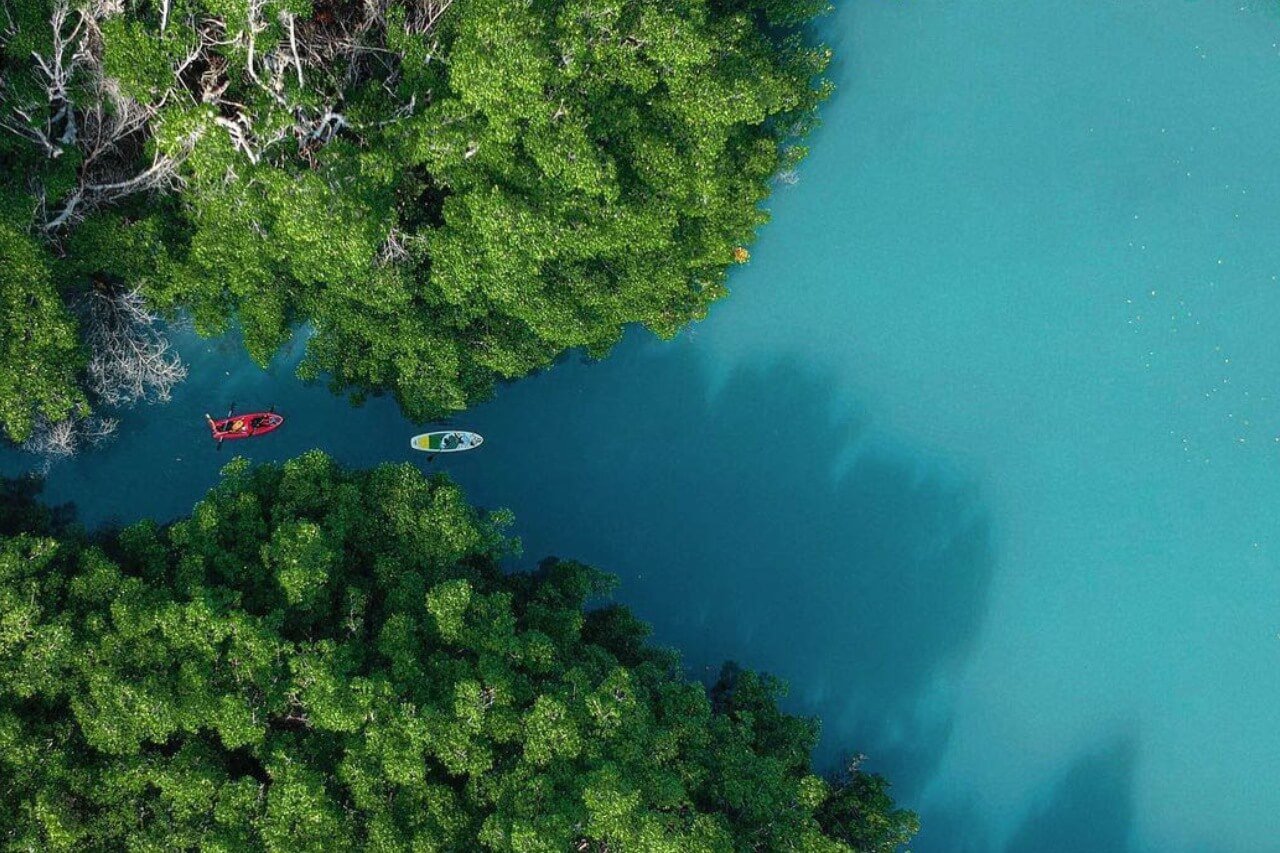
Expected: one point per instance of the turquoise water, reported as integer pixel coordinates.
(982, 454)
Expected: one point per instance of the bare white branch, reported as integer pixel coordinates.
(253, 26)
(293, 44)
(99, 430)
(131, 360)
(395, 249)
(55, 71)
(55, 440)
(430, 13)
(324, 128)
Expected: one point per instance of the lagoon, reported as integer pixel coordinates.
(982, 453)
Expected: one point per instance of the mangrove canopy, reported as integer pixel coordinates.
(446, 192)
(319, 659)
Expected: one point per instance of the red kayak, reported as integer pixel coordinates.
(248, 425)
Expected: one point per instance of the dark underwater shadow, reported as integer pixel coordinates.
(960, 827)
(21, 510)
(758, 524)
(1091, 807)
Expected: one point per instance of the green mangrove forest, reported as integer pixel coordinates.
(446, 193)
(321, 659)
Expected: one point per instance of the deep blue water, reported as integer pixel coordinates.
(982, 453)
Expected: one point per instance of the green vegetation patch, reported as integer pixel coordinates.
(450, 192)
(319, 659)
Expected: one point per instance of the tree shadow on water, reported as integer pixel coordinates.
(1091, 808)
(862, 585)
(22, 512)
(758, 524)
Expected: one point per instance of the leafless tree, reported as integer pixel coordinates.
(54, 440)
(114, 134)
(98, 430)
(130, 360)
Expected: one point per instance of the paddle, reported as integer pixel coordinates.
(230, 411)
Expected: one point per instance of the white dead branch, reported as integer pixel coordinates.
(421, 16)
(322, 129)
(253, 27)
(64, 439)
(287, 18)
(99, 430)
(51, 125)
(396, 248)
(131, 360)
(108, 129)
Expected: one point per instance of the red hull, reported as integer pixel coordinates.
(248, 425)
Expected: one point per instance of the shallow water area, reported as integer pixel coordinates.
(982, 455)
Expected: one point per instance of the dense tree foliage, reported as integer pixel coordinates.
(448, 191)
(38, 351)
(324, 660)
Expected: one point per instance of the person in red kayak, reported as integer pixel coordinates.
(231, 426)
(246, 425)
